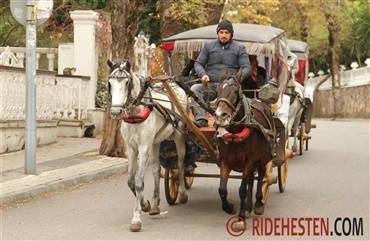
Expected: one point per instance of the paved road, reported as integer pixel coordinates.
(329, 182)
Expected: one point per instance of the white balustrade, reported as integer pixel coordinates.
(18, 54)
(58, 97)
(352, 77)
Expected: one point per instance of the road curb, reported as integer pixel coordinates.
(36, 185)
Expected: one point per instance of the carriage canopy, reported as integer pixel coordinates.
(300, 49)
(257, 39)
(268, 43)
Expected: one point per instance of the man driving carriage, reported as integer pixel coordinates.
(217, 55)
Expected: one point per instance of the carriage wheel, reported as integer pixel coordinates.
(189, 180)
(306, 144)
(302, 132)
(282, 175)
(283, 172)
(265, 184)
(171, 186)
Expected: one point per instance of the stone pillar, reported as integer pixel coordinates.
(38, 56)
(21, 57)
(51, 57)
(85, 54)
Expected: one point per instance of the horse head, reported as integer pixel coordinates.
(121, 87)
(229, 97)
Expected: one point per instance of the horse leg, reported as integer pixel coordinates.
(139, 187)
(132, 160)
(156, 168)
(295, 129)
(243, 196)
(227, 206)
(249, 201)
(181, 149)
(259, 206)
(240, 225)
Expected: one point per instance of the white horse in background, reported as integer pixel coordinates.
(142, 137)
(297, 103)
(295, 113)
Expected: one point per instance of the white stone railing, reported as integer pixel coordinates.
(57, 97)
(7, 56)
(348, 78)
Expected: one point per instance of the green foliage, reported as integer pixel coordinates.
(101, 97)
(57, 29)
(356, 38)
(304, 20)
(254, 11)
(12, 33)
(149, 23)
(192, 12)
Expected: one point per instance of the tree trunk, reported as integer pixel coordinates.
(331, 11)
(124, 20)
(112, 143)
(215, 12)
(170, 26)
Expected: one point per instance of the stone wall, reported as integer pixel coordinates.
(353, 102)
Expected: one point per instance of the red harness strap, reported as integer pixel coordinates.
(140, 117)
(237, 137)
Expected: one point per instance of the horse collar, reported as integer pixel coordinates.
(228, 137)
(137, 118)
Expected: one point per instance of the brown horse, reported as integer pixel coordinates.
(245, 138)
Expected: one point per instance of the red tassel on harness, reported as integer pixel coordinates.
(133, 119)
(237, 137)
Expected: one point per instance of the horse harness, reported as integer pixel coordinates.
(248, 121)
(170, 115)
(294, 94)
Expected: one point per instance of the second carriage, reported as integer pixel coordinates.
(301, 50)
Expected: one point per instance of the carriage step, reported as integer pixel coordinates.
(271, 178)
(288, 154)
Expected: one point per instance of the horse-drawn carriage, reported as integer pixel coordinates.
(270, 46)
(300, 49)
(251, 137)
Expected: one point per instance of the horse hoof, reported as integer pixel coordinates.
(232, 208)
(259, 210)
(247, 214)
(154, 210)
(135, 227)
(183, 198)
(239, 226)
(145, 206)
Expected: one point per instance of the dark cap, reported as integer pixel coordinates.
(226, 24)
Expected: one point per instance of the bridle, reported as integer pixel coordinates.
(121, 73)
(230, 81)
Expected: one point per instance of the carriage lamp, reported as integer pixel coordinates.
(270, 93)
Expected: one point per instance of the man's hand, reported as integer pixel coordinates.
(205, 79)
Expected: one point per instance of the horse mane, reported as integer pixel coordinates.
(124, 64)
(225, 75)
